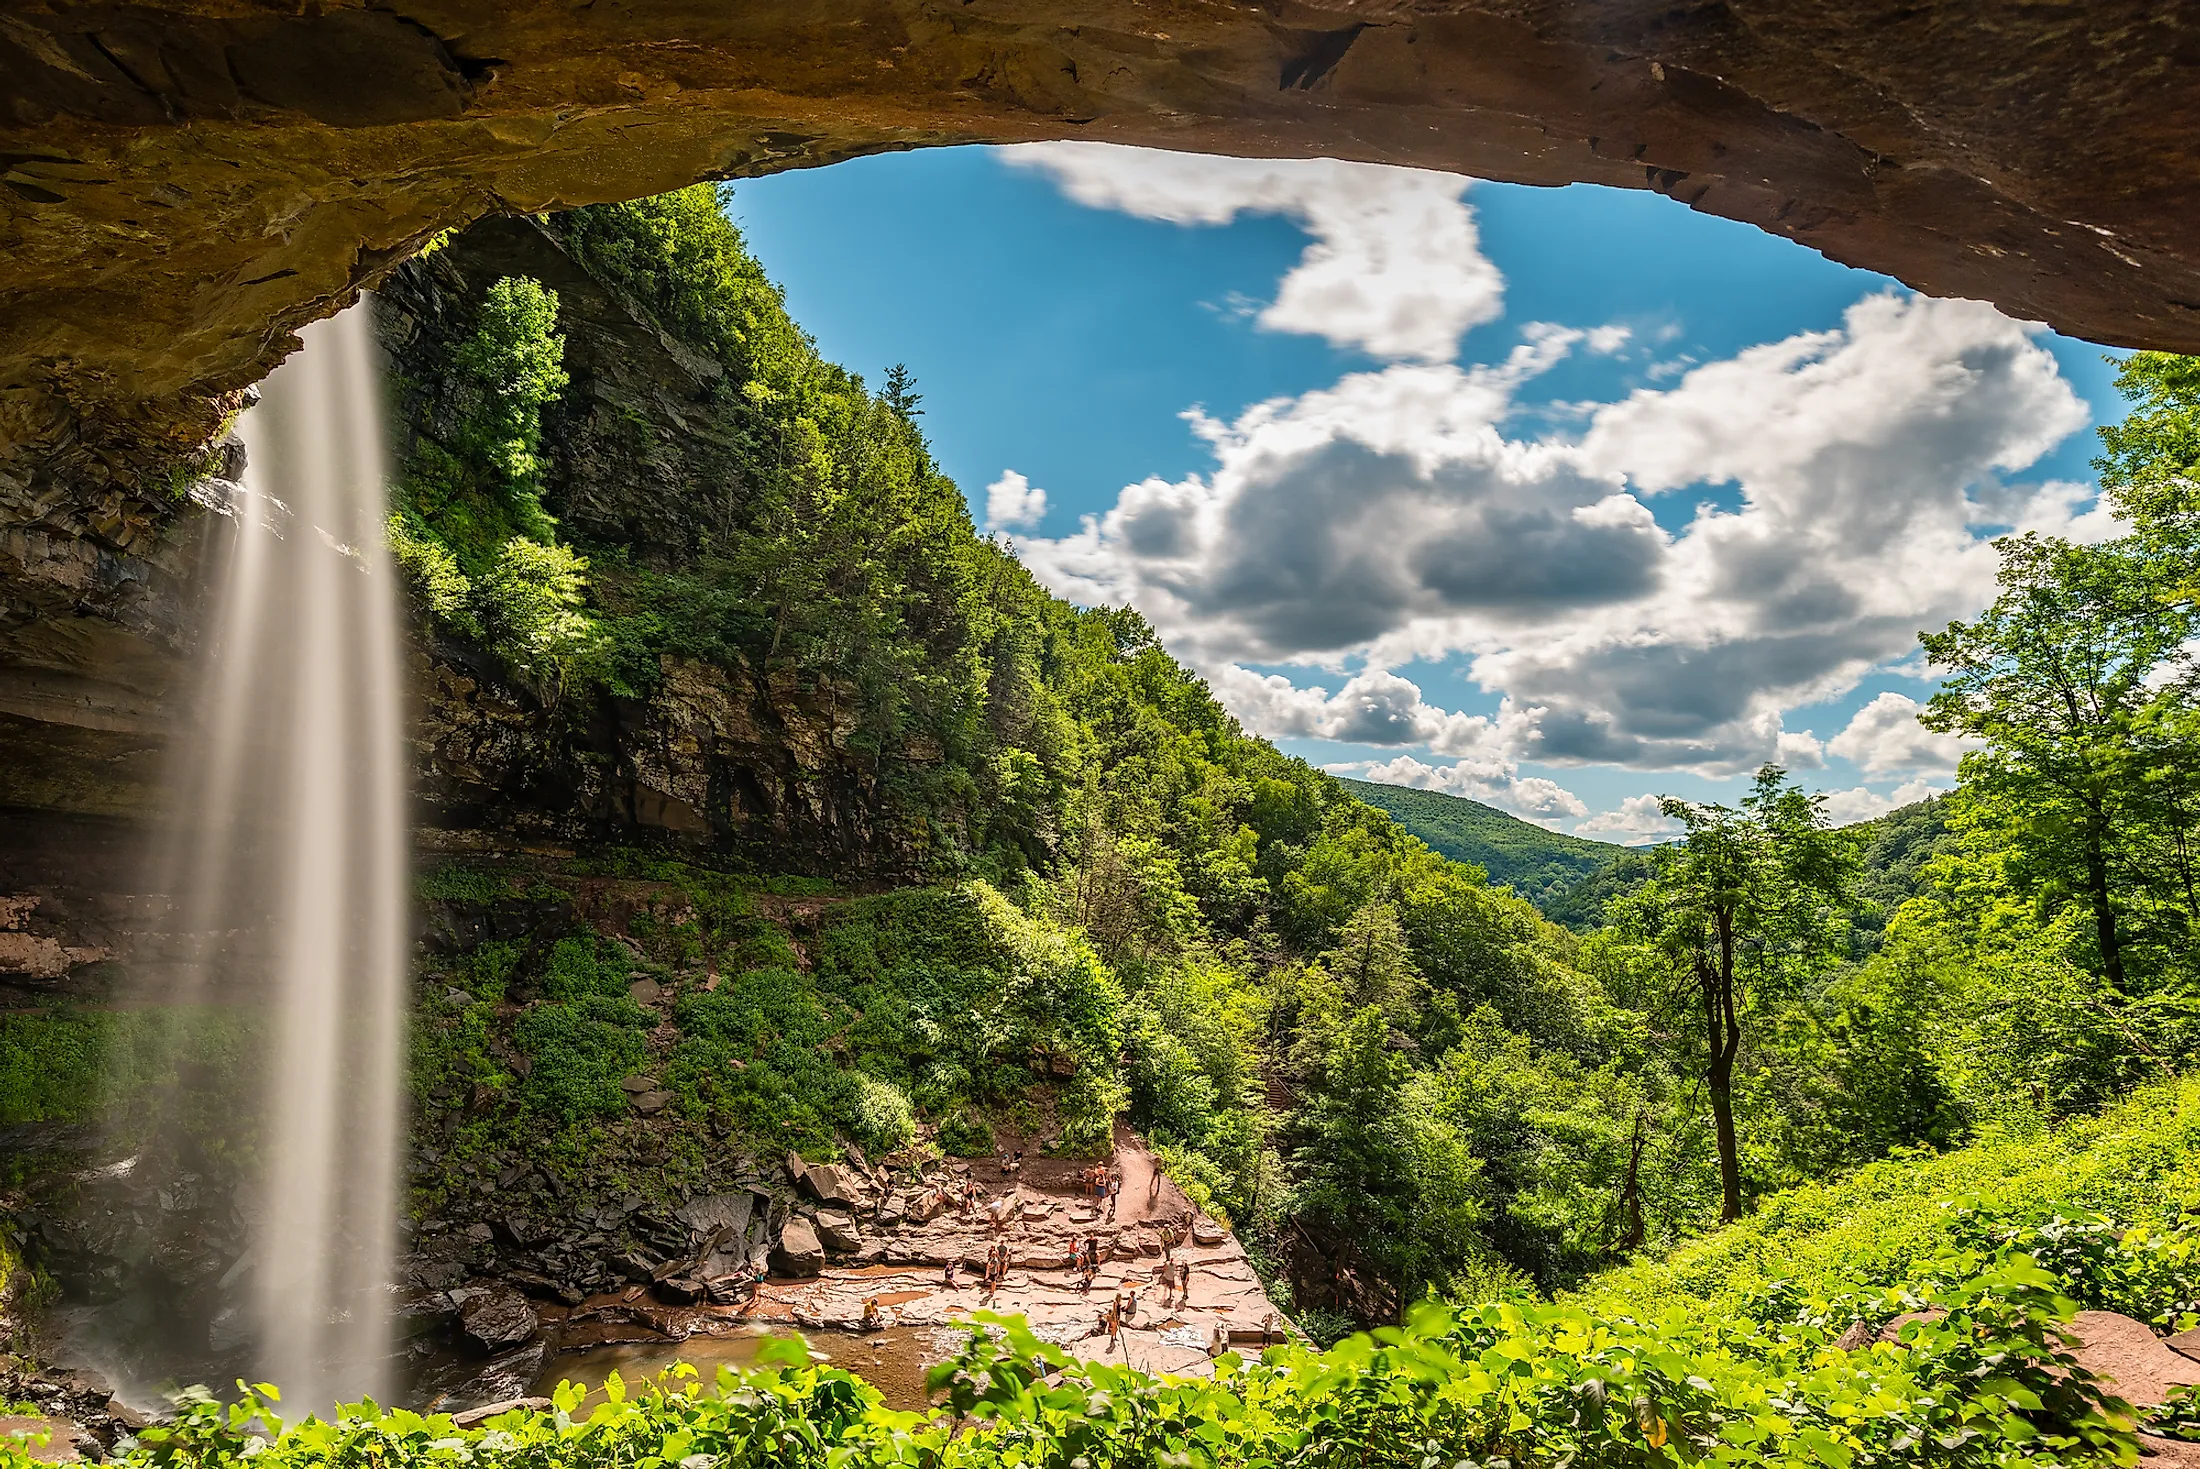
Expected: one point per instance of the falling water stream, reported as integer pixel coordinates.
(291, 859)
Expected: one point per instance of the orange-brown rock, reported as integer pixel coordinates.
(182, 183)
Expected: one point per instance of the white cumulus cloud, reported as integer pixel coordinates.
(1012, 501)
(1884, 737)
(1862, 803)
(1636, 821)
(1404, 514)
(1395, 267)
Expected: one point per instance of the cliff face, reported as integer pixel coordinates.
(747, 765)
(638, 458)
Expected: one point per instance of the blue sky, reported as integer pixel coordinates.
(1561, 498)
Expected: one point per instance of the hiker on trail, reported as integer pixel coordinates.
(1165, 1277)
(1004, 1162)
(1089, 1271)
(1218, 1340)
(1019, 1161)
(949, 1273)
(1184, 1284)
(1268, 1329)
(871, 1321)
(1115, 1192)
(1115, 1322)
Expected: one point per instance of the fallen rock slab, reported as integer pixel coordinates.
(2129, 1358)
(799, 1251)
(499, 1318)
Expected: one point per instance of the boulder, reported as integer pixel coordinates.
(634, 1086)
(798, 1252)
(66, 1443)
(499, 1318)
(680, 1290)
(830, 1183)
(499, 1381)
(417, 1312)
(838, 1232)
(2136, 1365)
(521, 1232)
(1206, 1231)
(649, 1104)
(645, 992)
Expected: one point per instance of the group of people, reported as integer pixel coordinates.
(996, 1270)
(1084, 1259)
(1174, 1277)
(1103, 1182)
(1012, 1164)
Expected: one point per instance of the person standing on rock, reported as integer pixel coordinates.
(1115, 1194)
(1184, 1283)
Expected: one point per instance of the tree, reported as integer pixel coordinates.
(514, 364)
(900, 392)
(1750, 899)
(2055, 677)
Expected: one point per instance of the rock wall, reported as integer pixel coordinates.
(186, 181)
(638, 456)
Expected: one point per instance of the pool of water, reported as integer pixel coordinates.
(893, 1360)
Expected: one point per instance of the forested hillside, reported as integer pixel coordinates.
(1536, 863)
(1396, 1075)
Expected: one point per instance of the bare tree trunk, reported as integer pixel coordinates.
(1630, 1197)
(2104, 908)
(1723, 1035)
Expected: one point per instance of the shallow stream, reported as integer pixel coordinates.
(892, 1360)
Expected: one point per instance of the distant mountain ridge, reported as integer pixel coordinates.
(1536, 863)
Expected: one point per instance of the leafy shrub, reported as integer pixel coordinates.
(585, 966)
(2138, 1162)
(879, 1113)
(1988, 1387)
(580, 1052)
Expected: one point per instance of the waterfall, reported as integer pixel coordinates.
(290, 861)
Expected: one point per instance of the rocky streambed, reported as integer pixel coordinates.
(523, 1281)
(854, 1254)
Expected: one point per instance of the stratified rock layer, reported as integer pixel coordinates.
(184, 183)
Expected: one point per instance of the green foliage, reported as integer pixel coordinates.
(1898, 851)
(1889, 1221)
(580, 1052)
(1991, 1384)
(513, 361)
(71, 1065)
(1536, 863)
(1137, 912)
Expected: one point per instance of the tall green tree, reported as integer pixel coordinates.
(2057, 678)
(1751, 900)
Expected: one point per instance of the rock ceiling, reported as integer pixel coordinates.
(184, 183)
